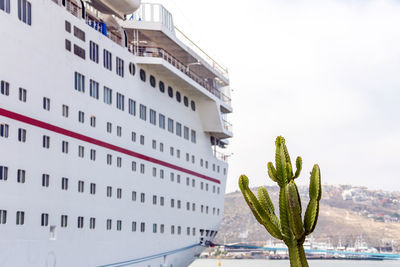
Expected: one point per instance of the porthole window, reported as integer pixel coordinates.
(186, 101)
(132, 69)
(161, 86)
(152, 81)
(142, 75)
(193, 105)
(178, 97)
(170, 91)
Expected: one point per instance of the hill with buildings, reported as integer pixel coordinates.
(347, 215)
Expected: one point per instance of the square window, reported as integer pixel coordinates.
(5, 5)
(153, 116)
(46, 103)
(25, 11)
(161, 121)
(4, 130)
(81, 116)
(94, 89)
(5, 88)
(64, 183)
(92, 121)
(170, 125)
(65, 111)
(132, 107)
(45, 180)
(79, 82)
(143, 112)
(120, 102)
(22, 135)
(21, 176)
(22, 94)
(20, 218)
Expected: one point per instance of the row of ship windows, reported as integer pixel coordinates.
(80, 224)
(22, 96)
(24, 10)
(143, 114)
(156, 200)
(22, 137)
(120, 65)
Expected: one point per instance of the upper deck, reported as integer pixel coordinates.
(152, 33)
(149, 33)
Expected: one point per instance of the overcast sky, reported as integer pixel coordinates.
(324, 74)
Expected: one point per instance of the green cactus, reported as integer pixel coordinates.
(290, 228)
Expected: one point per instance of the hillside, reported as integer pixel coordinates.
(346, 213)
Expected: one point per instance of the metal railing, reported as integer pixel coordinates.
(145, 51)
(219, 68)
(153, 12)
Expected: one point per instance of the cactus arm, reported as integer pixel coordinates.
(299, 165)
(289, 172)
(267, 204)
(315, 192)
(265, 200)
(272, 172)
(284, 218)
(280, 162)
(294, 208)
(259, 213)
(311, 216)
(288, 161)
(315, 183)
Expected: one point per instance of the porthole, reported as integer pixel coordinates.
(186, 101)
(178, 97)
(142, 75)
(161, 86)
(193, 105)
(170, 91)
(152, 81)
(132, 69)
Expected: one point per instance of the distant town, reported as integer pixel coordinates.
(377, 205)
(350, 218)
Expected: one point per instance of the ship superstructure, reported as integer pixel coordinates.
(112, 128)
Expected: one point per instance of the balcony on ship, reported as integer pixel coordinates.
(156, 41)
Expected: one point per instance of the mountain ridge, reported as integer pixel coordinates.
(347, 214)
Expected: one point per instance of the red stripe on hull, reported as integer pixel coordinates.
(59, 130)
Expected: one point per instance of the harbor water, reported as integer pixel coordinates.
(285, 263)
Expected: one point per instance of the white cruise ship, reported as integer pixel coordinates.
(113, 126)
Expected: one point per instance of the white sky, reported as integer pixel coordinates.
(324, 74)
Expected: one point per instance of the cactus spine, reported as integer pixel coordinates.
(290, 228)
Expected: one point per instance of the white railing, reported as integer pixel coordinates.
(210, 61)
(146, 51)
(157, 13)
